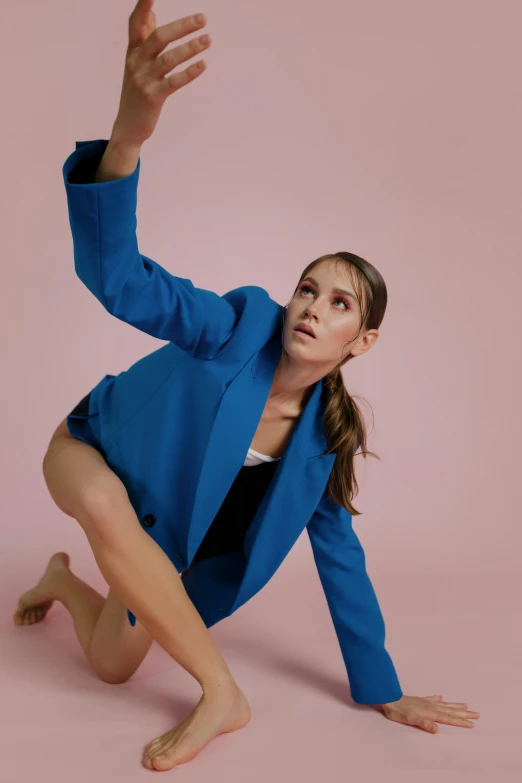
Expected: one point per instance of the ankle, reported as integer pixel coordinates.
(219, 688)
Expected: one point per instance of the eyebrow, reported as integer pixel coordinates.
(335, 290)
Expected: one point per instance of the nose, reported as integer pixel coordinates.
(311, 310)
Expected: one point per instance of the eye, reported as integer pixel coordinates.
(337, 298)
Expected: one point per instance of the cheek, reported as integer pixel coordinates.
(342, 333)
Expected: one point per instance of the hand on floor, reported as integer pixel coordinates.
(426, 711)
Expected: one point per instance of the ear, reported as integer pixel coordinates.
(365, 342)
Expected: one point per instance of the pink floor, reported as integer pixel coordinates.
(458, 636)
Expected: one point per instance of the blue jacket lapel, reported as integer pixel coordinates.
(297, 484)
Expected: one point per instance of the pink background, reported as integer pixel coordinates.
(388, 129)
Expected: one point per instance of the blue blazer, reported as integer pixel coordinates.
(176, 427)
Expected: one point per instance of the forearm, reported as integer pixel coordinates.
(353, 605)
(119, 160)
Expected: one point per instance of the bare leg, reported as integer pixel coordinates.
(114, 648)
(145, 580)
(84, 603)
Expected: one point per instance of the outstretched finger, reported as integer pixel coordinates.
(455, 721)
(142, 22)
(460, 704)
(445, 709)
(440, 700)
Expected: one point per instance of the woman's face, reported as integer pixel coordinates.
(335, 317)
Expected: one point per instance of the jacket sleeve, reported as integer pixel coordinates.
(353, 605)
(129, 285)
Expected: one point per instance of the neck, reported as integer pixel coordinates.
(292, 384)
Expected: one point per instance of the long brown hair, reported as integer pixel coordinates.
(344, 425)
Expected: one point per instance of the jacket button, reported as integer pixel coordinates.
(149, 520)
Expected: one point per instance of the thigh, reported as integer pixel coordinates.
(84, 487)
(62, 429)
(82, 484)
(117, 648)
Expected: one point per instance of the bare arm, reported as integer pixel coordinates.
(119, 160)
(101, 181)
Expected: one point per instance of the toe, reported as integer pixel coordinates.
(151, 749)
(161, 761)
(156, 760)
(169, 757)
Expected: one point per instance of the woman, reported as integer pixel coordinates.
(185, 520)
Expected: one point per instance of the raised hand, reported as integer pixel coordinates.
(147, 81)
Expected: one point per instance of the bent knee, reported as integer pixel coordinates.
(81, 481)
(104, 498)
(113, 678)
(105, 510)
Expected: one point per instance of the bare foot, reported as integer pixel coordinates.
(34, 605)
(211, 716)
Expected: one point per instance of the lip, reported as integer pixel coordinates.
(307, 325)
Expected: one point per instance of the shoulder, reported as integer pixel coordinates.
(247, 296)
(256, 317)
